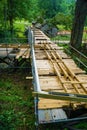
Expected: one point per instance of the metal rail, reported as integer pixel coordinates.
(34, 73)
(34, 66)
(79, 57)
(81, 54)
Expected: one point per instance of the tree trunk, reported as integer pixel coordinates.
(10, 14)
(11, 24)
(78, 24)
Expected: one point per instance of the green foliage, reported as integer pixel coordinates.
(20, 26)
(68, 6)
(8, 120)
(49, 7)
(15, 10)
(61, 27)
(62, 37)
(65, 20)
(16, 104)
(82, 125)
(34, 10)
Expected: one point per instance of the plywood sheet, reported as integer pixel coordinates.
(50, 83)
(44, 67)
(40, 54)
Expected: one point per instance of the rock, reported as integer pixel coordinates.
(45, 27)
(51, 31)
(38, 25)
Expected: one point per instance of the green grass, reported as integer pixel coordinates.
(67, 37)
(82, 125)
(62, 37)
(85, 37)
(16, 103)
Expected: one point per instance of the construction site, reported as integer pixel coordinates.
(59, 85)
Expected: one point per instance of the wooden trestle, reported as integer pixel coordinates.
(59, 75)
(15, 50)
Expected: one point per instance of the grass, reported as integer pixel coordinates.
(16, 102)
(66, 37)
(82, 126)
(62, 37)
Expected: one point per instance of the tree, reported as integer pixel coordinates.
(78, 24)
(2, 13)
(34, 11)
(49, 7)
(16, 9)
(67, 6)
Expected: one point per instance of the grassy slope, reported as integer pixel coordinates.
(16, 102)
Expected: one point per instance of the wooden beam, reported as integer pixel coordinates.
(61, 96)
(29, 78)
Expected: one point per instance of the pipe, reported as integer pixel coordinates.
(35, 72)
(65, 120)
(78, 52)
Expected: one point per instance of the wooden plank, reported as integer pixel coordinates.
(50, 103)
(60, 96)
(24, 54)
(50, 83)
(28, 54)
(82, 78)
(44, 67)
(20, 53)
(40, 54)
(72, 65)
(16, 45)
(29, 78)
(63, 55)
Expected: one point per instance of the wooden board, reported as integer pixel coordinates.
(72, 65)
(49, 103)
(22, 51)
(44, 67)
(49, 83)
(52, 83)
(16, 45)
(40, 54)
